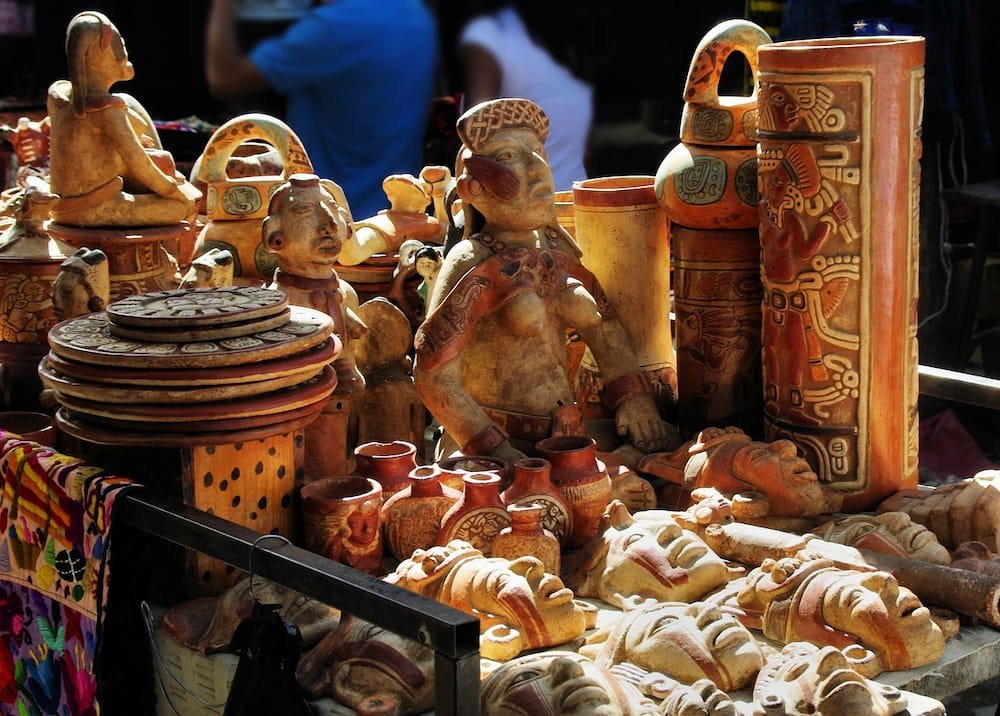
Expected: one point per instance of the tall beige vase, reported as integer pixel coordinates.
(622, 231)
(839, 168)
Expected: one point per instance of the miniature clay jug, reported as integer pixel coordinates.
(622, 231)
(583, 480)
(478, 516)
(389, 464)
(527, 537)
(839, 175)
(533, 483)
(708, 187)
(411, 518)
(341, 519)
(454, 469)
(236, 207)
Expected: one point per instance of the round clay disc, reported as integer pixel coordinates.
(205, 426)
(189, 308)
(155, 334)
(313, 358)
(74, 426)
(101, 392)
(315, 390)
(88, 339)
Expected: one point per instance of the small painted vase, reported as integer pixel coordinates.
(389, 464)
(479, 516)
(533, 483)
(411, 518)
(454, 469)
(527, 537)
(583, 480)
(341, 516)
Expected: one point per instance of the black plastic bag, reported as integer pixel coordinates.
(264, 684)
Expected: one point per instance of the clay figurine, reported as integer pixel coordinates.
(560, 683)
(405, 219)
(369, 669)
(212, 269)
(644, 555)
(305, 228)
(491, 356)
(880, 625)
(30, 141)
(807, 679)
(686, 642)
(771, 475)
(519, 605)
(82, 286)
(107, 163)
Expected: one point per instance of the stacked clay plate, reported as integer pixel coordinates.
(191, 367)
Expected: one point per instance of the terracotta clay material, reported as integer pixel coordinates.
(478, 516)
(389, 464)
(533, 483)
(526, 536)
(341, 517)
(583, 480)
(411, 517)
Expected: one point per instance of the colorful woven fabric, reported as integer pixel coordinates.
(54, 525)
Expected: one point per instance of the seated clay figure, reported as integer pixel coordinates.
(807, 679)
(370, 670)
(107, 163)
(560, 683)
(683, 641)
(519, 605)
(405, 219)
(491, 356)
(890, 533)
(645, 555)
(30, 142)
(880, 625)
(777, 480)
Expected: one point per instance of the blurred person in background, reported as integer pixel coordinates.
(359, 77)
(544, 52)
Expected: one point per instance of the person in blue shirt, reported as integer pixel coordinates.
(359, 77)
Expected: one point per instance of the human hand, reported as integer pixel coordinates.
(639, 420)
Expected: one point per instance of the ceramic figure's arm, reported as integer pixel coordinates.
(114, 122)
(365, 241)
(636, 415)
(229, 72)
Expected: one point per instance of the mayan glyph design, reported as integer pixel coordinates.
(838, 179)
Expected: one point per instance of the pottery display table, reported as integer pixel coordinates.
(209, 384)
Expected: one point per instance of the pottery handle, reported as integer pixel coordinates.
(243, 128)
(710, 58)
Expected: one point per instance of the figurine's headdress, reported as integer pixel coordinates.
(477, 125)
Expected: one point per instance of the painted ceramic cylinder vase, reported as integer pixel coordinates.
(479, 516)
(709, 180)
(839, 183)
(623, 234)
(389, 464)
(533, 483)
(583, 480)
(717, 294)
(527, 537)
(411, 518)
(341, 519)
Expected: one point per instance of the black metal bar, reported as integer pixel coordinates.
(453, 634)
(959, 387)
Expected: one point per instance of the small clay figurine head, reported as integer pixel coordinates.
(645, 555)
(96, 55)
(686, 642)
(889, 533)
(82, 285)
(503, 170)
(807, 679)
(562, 683)
(406, 193)
(212, 269)
(817, 602)
(305, 227)
(369, 669)
(427, 261)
